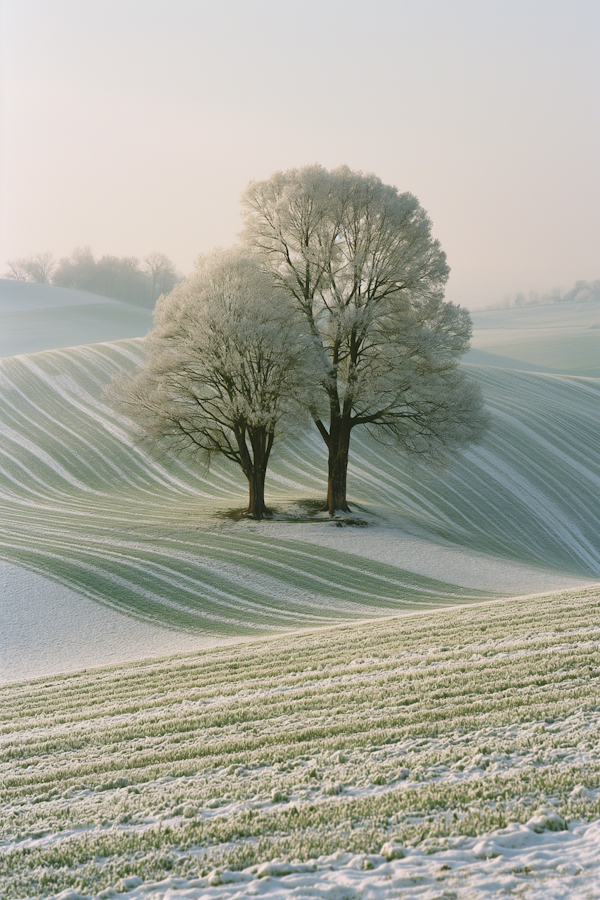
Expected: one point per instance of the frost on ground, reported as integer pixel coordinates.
(47, 629)
(84, 507)
(394, 546)
(518, 860)
(440, 754)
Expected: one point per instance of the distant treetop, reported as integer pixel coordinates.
(124, 278)
(581, 291)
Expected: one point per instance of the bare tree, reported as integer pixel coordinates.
(161, 272)
(18, 269)
(226, 370)
(42, 266)
(38, 268)
(359, 262)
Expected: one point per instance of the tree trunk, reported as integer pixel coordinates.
(256, 472)
(339, 446)
(256, 497)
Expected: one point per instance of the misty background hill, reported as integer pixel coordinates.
(36, 317)
(560, 337)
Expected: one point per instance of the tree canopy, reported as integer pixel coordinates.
(228, 369)
(358, 260)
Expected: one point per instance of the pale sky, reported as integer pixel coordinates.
(134, 125)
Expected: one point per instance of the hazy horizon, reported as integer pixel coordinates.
(134, 127)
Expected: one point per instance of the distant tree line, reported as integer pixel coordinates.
(123, 277)
(581, 291)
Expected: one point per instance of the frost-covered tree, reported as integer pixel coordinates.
(226, 371)
(18, 269)
(360, 264)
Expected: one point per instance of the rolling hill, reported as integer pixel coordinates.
(448, 755)
(37, 317)
(85, 510)
(381, 750)
(561, 337)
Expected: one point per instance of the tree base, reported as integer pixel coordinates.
(250, 514)
(343, 507)
(236, 515)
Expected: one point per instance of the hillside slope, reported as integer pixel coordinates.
(561, 337)
(88, 510)
(36, 317)
(468, 738)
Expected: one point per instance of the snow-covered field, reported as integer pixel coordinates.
(37, 317)
(560, 337)
(442, 754)
(90, 522)
(45, 628)
(383, 705)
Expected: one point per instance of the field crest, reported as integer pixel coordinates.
(35, 317)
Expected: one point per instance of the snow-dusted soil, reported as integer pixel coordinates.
(439, 754)
(524, 321)
(46, 628)
(512, 861)
(36, 317)
(561, 337)
(20, 296)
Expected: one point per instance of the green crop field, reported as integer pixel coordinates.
(359, 758)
